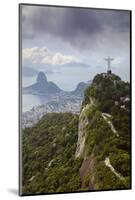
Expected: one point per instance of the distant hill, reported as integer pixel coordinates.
(42, 86)
(80, 89)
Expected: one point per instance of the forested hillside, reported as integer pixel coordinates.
(66, 152)
(105, 134)
(48, 155)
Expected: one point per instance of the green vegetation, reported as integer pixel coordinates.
(101, 140)
(106, 91)
(49, 163)
(103, 143)
(48, 155)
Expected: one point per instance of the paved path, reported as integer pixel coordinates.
(106, 117)
(108, 164)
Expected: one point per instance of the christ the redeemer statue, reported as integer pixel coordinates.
(109, 64)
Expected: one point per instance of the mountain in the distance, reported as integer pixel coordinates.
(42, 86)
(80, 89)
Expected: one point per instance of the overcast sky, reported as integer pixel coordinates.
(70, 44)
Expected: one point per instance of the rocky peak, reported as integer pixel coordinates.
(41, 78)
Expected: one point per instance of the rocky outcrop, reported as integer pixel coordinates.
(87, 170)
(83, 122)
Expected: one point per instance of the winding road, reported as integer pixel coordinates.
(108, 164)
(106, 117)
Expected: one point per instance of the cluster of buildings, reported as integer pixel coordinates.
(32, 116)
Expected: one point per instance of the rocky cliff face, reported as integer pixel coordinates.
(83, 122)
(41, 79)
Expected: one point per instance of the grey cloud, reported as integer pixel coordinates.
(28, 36)
(62, 22)
(116, 20)
(79, 27)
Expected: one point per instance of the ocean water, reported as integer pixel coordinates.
(29, 101)
(67, 79)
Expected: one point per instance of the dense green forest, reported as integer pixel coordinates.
(108, 132)
(48, 155)
(54, 159)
